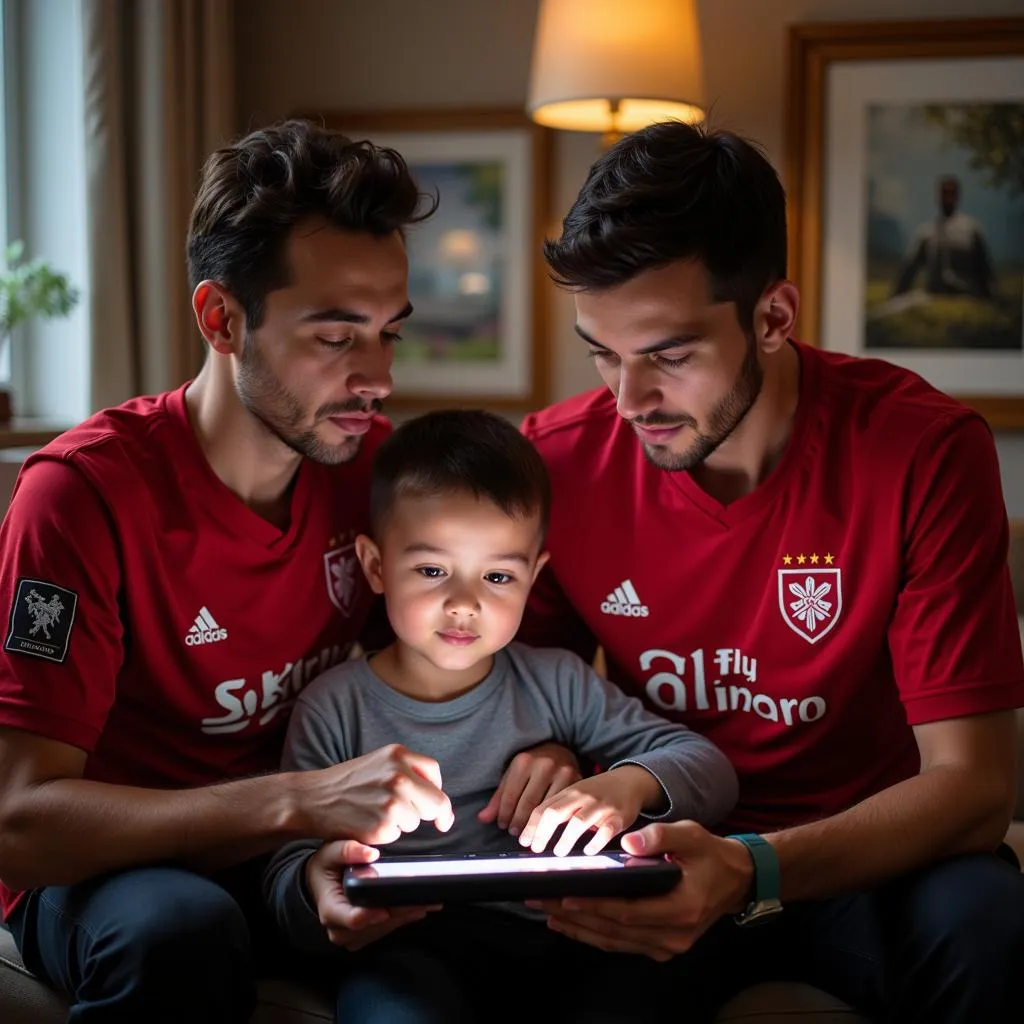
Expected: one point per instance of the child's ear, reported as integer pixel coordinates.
(369, 558)
(542, 560)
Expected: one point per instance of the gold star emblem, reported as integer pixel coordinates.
(800, 559)
(787, 559)
(829, 559)
(814, 559)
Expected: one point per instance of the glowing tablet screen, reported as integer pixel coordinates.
(493, 865)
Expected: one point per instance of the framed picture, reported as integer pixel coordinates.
(905, 181)
(478, 332)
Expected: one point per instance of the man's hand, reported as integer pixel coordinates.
(373, 798)
(607, 803)
(531, 777)
(349, 926)
(717, 875)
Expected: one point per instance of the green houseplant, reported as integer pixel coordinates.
(28, 289)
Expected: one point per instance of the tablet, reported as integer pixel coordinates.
(483, 878)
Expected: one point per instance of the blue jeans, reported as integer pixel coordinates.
(943, 945)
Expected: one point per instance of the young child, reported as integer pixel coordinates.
(459, 506)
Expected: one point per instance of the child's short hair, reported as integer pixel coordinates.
(453, 451)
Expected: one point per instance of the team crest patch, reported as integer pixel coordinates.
(41, 620)
(811, 600)
(341, 568)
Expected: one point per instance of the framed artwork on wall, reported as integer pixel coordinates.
(905, 182)
(477, 279)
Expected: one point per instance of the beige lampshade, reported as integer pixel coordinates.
(615, 65)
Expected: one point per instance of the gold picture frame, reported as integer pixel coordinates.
(822, 60)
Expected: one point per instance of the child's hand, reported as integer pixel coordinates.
(608, 803)
(348, 926)
(533, 775)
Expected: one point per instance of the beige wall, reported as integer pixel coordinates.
(10, 464)
(362, 54)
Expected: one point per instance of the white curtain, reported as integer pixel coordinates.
(159, 97)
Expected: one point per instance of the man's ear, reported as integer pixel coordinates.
(369, 558)
(775, 316)
(219, 317)
(542, 560)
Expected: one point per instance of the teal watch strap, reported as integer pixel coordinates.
(767, 883)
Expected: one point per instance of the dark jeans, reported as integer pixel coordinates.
(470, 965)
(945, 944)
(161, 945)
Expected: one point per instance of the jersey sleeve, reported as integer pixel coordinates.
(615, 729)
(953, 637)
(63, 640)
(315, 735)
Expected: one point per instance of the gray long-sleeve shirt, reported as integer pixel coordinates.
(531, 696)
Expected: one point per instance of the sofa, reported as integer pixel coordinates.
(23, 1000)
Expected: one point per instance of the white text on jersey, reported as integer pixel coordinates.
(624, 600)
(205, 630)
(668, 690)
(245, 703)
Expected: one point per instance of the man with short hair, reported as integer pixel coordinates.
(802, 555)
(175, 570)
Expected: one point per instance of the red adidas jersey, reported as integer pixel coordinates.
(863, 588)
(152, 618)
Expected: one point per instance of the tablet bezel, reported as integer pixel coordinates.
(634, 877)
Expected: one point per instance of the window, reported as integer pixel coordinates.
(5, 197)
(43, 161)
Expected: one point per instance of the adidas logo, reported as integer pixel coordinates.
(624, 600)
(205, 630)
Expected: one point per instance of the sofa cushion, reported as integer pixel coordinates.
(22, 999)
(782, 1002)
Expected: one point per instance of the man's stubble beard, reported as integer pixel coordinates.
(723, 420)
(280, 412)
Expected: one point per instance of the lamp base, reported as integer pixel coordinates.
(6, 407)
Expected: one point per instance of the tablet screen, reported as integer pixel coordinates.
(412, 881)
(493, 865)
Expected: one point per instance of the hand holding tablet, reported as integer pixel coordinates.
(476, 878)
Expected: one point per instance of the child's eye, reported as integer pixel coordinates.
(432, 572)
(500, 578)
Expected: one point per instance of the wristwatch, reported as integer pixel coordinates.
(767, 886)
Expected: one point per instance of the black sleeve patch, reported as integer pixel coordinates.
(41, 620)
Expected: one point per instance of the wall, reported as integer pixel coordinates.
(323, 54)
(10, 463)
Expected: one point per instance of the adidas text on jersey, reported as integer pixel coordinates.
(623, 600)
(205, 630)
